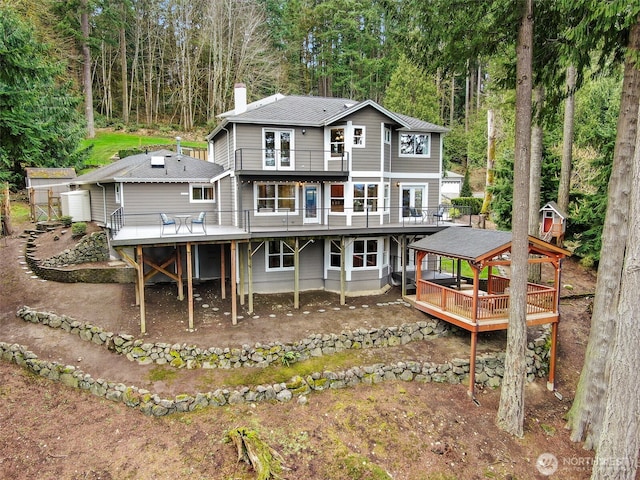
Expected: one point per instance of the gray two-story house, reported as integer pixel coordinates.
(298, 193)
(325, 187)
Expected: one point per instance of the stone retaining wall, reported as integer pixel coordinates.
(91, 248)
(489, 368)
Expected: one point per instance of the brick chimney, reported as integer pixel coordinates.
(240, 98)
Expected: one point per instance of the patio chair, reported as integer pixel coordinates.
(165, 221)
(199, 220)
(439, 214)
(415, 214)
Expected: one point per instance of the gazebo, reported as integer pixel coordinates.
(483, 305)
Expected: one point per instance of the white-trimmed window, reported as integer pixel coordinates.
(365, 195)
(358, 137)
(117, 192)
(202, 193)
(337, 141)
(387, 196)
(415, 144)
(337, 197)
(387, 135)
(335, 254)
(278, 147)
(365, 253)
(279, 255)
(275, 197)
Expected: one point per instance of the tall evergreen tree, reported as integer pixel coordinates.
(39, 122)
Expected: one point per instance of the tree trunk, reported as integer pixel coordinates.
(86, 69)
(453, 97)
(124, 74)
(567, 141)
(619, 442)
(535, 173)
(511, 409)
(491, 157)
(6, 228)
(585, 416)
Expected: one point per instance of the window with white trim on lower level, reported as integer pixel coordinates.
(202, 194)
(279, 255)
(117, 192)
(415, 145)
(335, 254)
(365, 253)
(365, 195)
(275, 197)
(337, 197)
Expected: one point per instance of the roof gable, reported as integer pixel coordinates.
(315, 112)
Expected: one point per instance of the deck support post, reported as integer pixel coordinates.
(143, 322)
(343, 271)
(234, 300)
(551, 383)
(472, 364)
(241, 262)
(403, 247)
(179, 272)
(223, 274)
(190, 285)
(296, 274)
(250, 276)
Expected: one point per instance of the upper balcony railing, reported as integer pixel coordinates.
(298, 160)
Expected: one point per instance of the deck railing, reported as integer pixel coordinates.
(540, 299)
(289, 218)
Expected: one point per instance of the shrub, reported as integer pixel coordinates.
(474, 203)
(79, 229)
(66, 220)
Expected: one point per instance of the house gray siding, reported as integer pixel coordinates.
(143, 202)
(307, 148)
(368, 158)
(419, 164)
(311, 271)
(97, 199)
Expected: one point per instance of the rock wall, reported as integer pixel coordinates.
(64, 266)
(489, 368)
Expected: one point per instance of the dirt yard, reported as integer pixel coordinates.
(400, 430)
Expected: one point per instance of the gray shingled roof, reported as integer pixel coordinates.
(465, 243)
(40, 172)
(417, 124)
(137, 168)
(317, 112)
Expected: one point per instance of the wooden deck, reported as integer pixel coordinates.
(491, 310)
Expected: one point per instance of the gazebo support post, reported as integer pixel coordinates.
(472, 364)
(551, 383)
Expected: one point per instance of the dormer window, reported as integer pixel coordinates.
(415, 145)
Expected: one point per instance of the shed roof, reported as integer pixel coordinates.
(476, 245)
(50, 173)
(177, 168)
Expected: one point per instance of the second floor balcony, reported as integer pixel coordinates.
(301, 164)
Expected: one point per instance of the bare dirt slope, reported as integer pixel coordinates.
(405, 430)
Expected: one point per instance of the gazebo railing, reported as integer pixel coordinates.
(540, 299)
